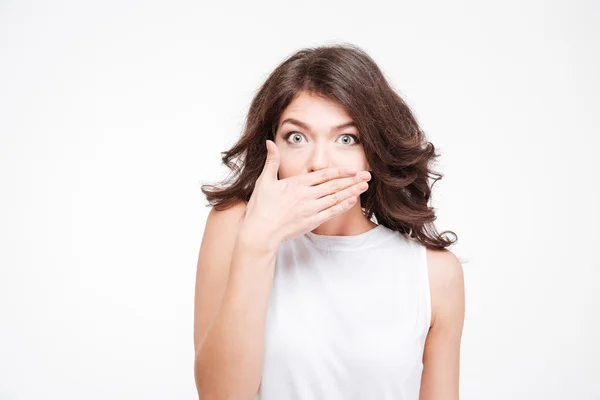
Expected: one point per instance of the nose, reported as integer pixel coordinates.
(319, 158)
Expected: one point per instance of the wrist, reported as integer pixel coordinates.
(257, 239)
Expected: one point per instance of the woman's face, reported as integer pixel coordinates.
(313, 134)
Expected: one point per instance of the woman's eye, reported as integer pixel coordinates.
(296, 137)
(345, 139)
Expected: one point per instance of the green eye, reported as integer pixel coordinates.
(346, 139)
(296, 137)
(349, 136)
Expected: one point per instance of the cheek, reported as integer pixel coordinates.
(288, 168)
(286, 165)
(365, 162)
(367, 166)
(360, 162)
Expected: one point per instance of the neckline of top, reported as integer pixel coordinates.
(349, 242)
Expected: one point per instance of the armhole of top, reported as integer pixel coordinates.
(428, 302)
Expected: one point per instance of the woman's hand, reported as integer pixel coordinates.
(280, 210)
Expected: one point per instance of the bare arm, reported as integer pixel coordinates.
(441, 359)
(214, 262)
(231, 309)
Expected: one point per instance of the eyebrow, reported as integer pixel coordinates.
(305, 126)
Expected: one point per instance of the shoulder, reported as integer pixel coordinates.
(445, 269)
(223, 224)
(446, 281)
(234, 212)
(225, 221)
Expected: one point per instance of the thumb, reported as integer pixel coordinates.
(271, 167)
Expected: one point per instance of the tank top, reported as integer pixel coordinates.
(347, 318)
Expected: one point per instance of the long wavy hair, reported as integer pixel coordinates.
(395, 146)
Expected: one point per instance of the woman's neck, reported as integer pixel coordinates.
(349, 223)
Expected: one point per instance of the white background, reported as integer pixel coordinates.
(113, 113)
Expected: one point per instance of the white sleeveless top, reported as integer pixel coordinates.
(347, 318)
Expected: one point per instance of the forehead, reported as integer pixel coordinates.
(314, 108)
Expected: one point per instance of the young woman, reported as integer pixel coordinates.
(321, 274)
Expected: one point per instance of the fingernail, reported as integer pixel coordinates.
(365, 175)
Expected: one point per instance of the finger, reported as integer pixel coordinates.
(271, 167)
(326, 174)
(337, 209)
(337, 198)
(336, 185)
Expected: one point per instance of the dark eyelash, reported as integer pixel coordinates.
(356, 139)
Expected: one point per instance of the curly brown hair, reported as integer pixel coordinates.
(395, 146)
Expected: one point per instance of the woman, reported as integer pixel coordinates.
(299, 293)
